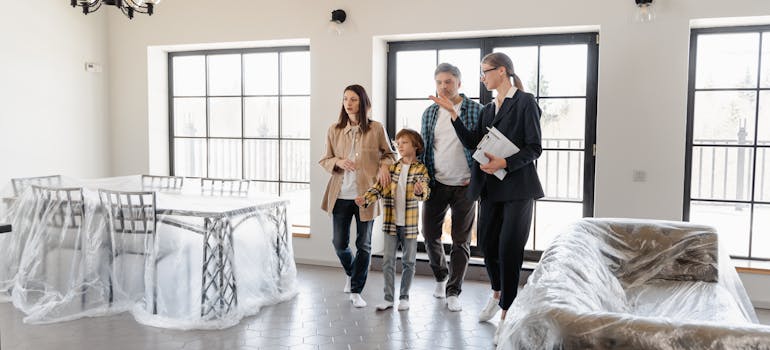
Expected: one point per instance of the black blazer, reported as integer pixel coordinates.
(519, 120)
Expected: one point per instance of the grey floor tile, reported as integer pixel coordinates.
(319, 318)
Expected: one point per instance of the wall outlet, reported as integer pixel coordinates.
(639, 176)
(93, 67)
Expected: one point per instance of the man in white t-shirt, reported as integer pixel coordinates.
(449, 165)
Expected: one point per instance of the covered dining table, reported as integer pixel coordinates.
(193, 261)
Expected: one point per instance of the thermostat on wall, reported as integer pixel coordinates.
(93, 67)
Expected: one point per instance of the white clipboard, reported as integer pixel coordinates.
(495, 143)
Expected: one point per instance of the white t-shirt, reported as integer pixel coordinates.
(449, 160)
(400, 195)
(349, 188)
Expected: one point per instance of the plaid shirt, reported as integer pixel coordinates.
(470, 112)
(417, 172)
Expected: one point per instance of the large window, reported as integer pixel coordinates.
(560, 70)
(244, 114)
(727, 172)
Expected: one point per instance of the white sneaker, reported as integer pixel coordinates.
(403, 305)
(440, 291)
(490, 310)
(357, 300)
(453, 303)
(496, 339)
(384, 306)
(347, 285)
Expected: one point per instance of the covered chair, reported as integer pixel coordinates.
(55, 277)
(132, 223)
(155, 182)
(225, 187)
(20, 184)
(634, 284)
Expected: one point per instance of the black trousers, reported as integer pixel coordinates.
(433, 213)
(503, 233)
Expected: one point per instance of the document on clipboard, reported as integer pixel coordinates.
(495, 143)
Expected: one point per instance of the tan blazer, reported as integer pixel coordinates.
(373, 150)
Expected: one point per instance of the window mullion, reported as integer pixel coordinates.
(208, 111)
(280, 122)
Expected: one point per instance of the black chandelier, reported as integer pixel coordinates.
(128, 7)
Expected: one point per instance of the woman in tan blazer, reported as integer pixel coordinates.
(358, 153)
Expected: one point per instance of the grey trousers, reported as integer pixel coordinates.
(444, 197)
(409, 249)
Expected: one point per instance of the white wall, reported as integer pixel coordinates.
(642, 77)
(53, 114)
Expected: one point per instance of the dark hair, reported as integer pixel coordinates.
(413, 137)
(364, 105)
(499, 59)
(448, 68)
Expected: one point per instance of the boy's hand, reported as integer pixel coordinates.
(360, 201)
(418, 188)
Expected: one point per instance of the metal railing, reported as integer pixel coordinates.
(722, 169)
(560, 168)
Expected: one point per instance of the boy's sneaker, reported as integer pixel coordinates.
(440, 290)
(346, 289)
(357, 300)
(490, 310)
(403, 305)
(496, 340)
(384, 306)
(453, 303)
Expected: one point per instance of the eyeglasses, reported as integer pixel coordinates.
(484, 72)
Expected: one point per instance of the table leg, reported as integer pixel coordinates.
(218, 288)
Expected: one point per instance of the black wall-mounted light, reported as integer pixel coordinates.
(338, 17)
(645, 11)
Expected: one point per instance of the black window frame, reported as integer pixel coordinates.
(206, 53)
(689, 139)
(486, 45)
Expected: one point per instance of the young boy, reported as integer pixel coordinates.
(409, 184)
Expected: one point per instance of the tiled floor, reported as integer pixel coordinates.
(321, 317)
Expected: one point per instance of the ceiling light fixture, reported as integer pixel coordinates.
(128, 7)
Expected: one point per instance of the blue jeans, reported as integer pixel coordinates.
(409, 249)
(356, 268)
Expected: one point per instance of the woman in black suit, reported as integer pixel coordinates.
(506, 206)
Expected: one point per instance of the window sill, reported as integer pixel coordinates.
(752, 266)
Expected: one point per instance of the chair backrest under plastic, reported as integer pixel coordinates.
(162, 182)
(21, 184)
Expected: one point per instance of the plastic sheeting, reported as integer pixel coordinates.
(634, 284)
(204, 262)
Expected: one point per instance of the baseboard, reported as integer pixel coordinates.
(761, 305)
(328, 263)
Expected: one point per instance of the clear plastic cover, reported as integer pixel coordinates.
(634, 284)
(183, 259)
